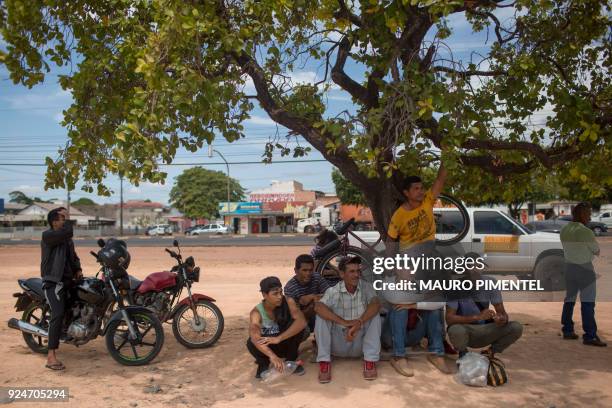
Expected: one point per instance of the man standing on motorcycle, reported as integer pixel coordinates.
(59, 266)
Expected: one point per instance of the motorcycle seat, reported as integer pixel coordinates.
(33, 284)
(134, 283)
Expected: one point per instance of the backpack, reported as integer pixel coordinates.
(496, 374)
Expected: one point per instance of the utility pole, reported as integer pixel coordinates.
(121, 205)
(210, 153)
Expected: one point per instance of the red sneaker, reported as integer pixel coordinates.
(324, 372)
(369, 370)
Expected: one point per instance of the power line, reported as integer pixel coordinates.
(187, 164)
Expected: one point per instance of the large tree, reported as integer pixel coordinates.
(148, 77)
(21, 198)
(84, 201)
(198, 191)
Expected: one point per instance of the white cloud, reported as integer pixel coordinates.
(27, 188)
(147, 185)
(334, 36)
(260, 120)
(339, 98)
(48, 104)
(134, 190)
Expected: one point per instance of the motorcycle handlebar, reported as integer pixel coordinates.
(94, 254)
(172, 253)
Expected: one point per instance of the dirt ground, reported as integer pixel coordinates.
(544, 370)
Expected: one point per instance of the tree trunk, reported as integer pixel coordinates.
(382, 198)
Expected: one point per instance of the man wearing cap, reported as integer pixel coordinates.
(276, 328)
(348, 322)
(472, 323)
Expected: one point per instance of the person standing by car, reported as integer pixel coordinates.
(59, 266)
(579, 248)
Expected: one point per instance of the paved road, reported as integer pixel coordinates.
(215, 240)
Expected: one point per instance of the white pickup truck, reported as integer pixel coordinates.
(509, 247)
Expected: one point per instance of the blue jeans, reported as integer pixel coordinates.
(430, 324)
(580, 279)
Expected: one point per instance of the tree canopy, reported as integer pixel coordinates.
(198, 191)
(83, 201)
(148, 77)
(20, 197)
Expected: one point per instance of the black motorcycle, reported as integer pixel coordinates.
(95, 307)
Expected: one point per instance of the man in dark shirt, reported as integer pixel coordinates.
(306, 287)
(59, 266)
(472, 323)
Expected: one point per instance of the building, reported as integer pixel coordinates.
(255, 217)
(136, 213)
(35, 214)
(283, 191)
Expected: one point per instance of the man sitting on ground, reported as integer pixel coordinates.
(398, 334)
(348, 322)
(306, 287)
(471, 323)
(276, 328)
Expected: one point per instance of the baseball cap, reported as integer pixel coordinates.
(269, 283)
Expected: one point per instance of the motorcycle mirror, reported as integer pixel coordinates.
(101, 243)
(175, 243)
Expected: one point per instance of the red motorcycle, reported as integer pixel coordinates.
(196, 321)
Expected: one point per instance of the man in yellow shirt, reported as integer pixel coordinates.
(412, 230)
(413, 222)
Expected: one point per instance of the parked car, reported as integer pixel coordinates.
(160, 229)
(510, 248)
(216, 229)
(606, 218)
(597, 227)
(190, 229)
(546, 226)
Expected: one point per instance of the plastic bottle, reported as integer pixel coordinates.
(272, 374)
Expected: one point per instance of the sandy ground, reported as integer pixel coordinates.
(544, 370)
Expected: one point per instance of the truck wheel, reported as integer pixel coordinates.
(308, 230)
(550, 272)
(597, 231)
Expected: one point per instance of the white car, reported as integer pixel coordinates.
(606, 218)
(216, 229)
(509, 247)
(160, 229)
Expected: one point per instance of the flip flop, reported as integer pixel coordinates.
(56, 366)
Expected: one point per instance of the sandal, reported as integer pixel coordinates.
(56, 366)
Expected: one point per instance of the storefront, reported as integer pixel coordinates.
(251, 218)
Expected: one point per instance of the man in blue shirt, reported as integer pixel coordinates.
(472, 323)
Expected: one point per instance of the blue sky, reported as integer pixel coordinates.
(30, 131)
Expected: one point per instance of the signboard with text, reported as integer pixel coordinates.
(240, 208)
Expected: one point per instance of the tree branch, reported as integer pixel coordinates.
(470, 72)
(532, 148)
(342, 79)
(344, 12)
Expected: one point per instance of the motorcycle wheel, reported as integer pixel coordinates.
(151, 339)
(38, 315)
(209, 331)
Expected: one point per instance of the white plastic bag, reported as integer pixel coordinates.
(473, 369)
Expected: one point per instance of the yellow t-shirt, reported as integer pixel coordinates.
(416, 225)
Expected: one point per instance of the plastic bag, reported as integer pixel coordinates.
(473, 369)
